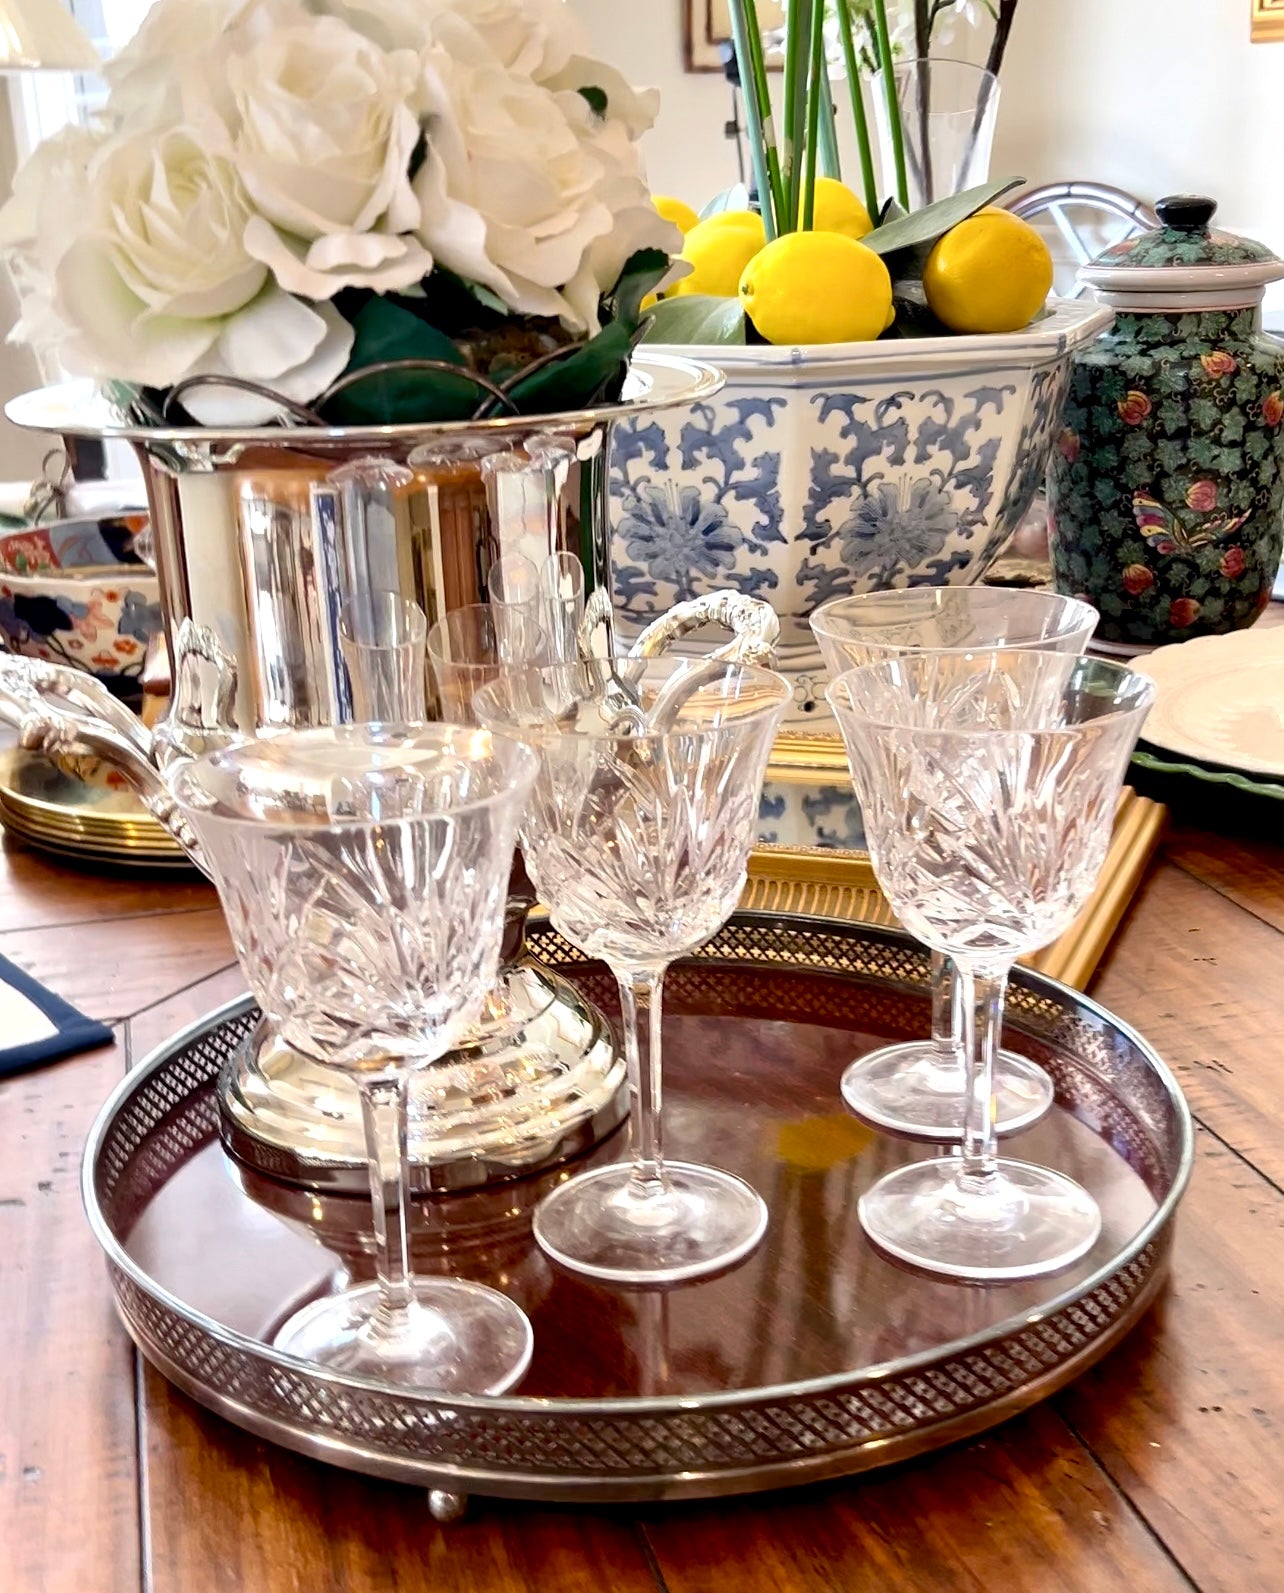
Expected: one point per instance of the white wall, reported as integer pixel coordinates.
(1155, 96)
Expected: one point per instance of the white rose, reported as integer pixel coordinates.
(322, 130)
(159, 262)
(509, 193)
(178, 40)
(611, 135)
(51, 186)
(534, 37)
(278, 341)
(156, 283)
(629, 111)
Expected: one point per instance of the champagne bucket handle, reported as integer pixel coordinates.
(754, 628)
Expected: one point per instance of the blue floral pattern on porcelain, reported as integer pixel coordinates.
(823, 815)
(814, 475)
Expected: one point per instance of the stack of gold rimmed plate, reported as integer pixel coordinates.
(94, 817)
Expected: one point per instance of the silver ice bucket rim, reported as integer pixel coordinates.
(81, 408)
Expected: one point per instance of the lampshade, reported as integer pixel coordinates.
(43, 34)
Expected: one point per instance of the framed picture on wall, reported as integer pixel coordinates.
(708, 24)
(1268, 20)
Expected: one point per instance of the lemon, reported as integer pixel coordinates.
(817, 287)
(991, 273)
(675, 210)
(718, 249)
(837, 209)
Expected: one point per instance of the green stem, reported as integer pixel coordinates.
(887, 69)
(797, 51)
(753, 83)
(830, 162)
(817, 90)
(762, 82)
(859, 119)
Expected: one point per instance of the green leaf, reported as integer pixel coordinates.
(596, 98)
(487, 297)
(913, 317)
(734, 198)
(594, 373)
(927, 225)
(386, 330)
(642, 273)
(697, 318)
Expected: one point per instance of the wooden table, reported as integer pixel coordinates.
(1160, 1469)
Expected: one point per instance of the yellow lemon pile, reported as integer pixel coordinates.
(990, 273)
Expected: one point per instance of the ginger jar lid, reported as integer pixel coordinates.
(1183, 264)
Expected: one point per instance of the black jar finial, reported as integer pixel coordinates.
(1186, 212)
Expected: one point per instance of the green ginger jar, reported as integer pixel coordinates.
(1167, 478)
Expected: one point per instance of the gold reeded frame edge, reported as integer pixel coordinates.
(842, 885)
(1268, 21)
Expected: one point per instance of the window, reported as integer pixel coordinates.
(42, 102)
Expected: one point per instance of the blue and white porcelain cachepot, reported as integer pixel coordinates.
(839, 468)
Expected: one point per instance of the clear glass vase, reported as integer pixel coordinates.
(948, 111)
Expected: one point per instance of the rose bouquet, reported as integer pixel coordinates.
(280, 193)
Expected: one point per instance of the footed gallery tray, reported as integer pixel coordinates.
(813, 1358)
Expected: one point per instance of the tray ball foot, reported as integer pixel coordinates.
(445, 1506)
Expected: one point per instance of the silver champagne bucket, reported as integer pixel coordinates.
(261, 537)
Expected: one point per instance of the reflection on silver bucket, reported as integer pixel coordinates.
(264, 538)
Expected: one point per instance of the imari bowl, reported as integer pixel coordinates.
(99, 620)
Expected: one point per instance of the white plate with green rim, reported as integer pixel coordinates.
(1220, 701)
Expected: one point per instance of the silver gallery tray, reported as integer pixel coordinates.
(813, 1358)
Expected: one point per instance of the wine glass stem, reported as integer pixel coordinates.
(383, 1111)
(945, 1029)
(641, 992)
(980, 1000)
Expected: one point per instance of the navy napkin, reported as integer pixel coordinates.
(37, 1026)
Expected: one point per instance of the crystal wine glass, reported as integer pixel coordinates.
(381, 637)
(917, 1088)
(637, 836)
(988, 784)
(473, 645)
(363, 871)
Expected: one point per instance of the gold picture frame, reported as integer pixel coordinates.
(1268, 21)
(707, 24)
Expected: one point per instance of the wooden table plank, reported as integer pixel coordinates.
(1200, 978)
(37, 890)
(68, 1475)
(1025, 1508)
(273, 1522)
(1248, 873)
(1187, 1415)
(117, 969)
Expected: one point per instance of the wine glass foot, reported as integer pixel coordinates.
(460, 1338)
(598, 1224)
(1022, 1222)
(913, 1091)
